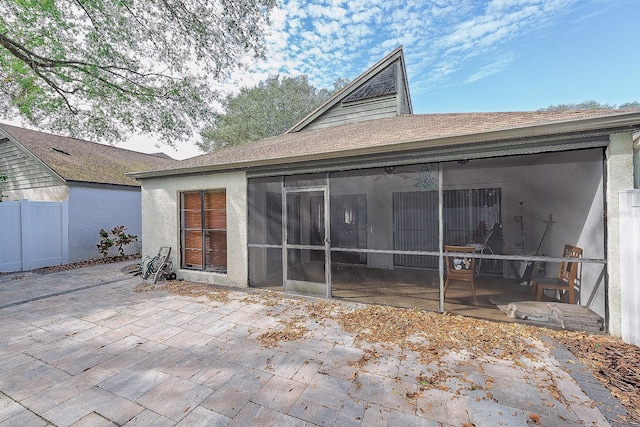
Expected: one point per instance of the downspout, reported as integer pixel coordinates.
(441, 236)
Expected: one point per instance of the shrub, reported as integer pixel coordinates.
(114, 237)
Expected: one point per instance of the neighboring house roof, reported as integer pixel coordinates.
(84, 161)
(403, 133)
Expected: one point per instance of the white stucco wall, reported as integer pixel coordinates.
(92, 208)
(161, 222)
(55, 193)
(619, 178)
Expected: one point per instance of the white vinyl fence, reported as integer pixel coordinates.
(33, 235)
(630, 265)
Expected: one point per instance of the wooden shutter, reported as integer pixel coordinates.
(192, 229)
(204, 231)
(215, 203)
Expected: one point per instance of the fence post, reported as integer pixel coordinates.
(64, 229)
(24, 233)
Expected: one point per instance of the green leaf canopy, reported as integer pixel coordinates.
(105, 69)
(270, 108)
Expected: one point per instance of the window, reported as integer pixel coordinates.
(203, 230)
(469, 216)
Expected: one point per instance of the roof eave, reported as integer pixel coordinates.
(606, 124)
(80, 183)
(354, 84)
(33, 155)
(405, 77)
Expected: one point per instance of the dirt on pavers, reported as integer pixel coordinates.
(179, 287)
(434, 335)
(615, 363)
(292, 330)
(445, 333)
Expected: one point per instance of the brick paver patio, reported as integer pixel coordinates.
(81, 348)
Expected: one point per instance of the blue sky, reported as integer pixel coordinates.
(463, 55)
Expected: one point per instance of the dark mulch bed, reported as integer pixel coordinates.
(615, 363)
(87, 263)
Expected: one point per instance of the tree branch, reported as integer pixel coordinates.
(86, 12)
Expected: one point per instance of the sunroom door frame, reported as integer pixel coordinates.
(289, 283)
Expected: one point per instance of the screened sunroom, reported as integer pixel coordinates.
(380, 231)
(362, 200)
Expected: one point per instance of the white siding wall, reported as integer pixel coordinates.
(27, 177)
(161, 222)
(403, 101)
(93, 208)
(57, 193)
(357, 111)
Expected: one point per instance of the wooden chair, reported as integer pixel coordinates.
(461, 268)
(566, 280)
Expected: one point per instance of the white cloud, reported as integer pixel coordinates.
(366, 15)
(330, 39)
(490, 69)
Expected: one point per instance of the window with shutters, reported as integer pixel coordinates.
(203, 230)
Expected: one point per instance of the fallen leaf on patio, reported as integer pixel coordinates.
(434, 335)
(613, 362)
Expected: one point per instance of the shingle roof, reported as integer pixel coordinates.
(394, 133)
(78, 160)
